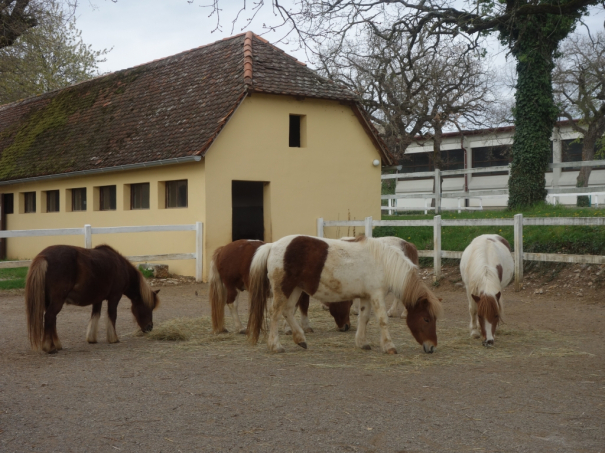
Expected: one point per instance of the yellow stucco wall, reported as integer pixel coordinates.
(129, 243)
(331, 176)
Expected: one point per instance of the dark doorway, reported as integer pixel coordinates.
(247, 215)
(4, 201)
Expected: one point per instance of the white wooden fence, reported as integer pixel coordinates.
(88, 231)
(517, 223)
(438, 195)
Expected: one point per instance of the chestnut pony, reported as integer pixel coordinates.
(63, 274)
(486, 267)
(332, 271)
(229, 276)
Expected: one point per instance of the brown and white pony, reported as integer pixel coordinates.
(229, 276)
(63, 274)
(397, 309)
(332, 271)
(486, 267)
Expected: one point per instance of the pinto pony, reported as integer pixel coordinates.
(229, 276)
(332, 271)
(409, 250)
(486, 267)
(63, 274)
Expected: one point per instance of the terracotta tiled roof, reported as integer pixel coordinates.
(169, 108)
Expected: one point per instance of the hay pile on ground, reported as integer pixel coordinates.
(330, 348)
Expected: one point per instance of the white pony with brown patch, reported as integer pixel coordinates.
(486, 267)
(332, 271)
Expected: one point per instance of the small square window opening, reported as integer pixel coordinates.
(29, 199)
(8, 203)
(107, 198)
(139, 196)
(78, 199)
(295, 135)
(52, 201)
(176, 194)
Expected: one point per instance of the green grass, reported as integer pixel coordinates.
(147, 273)
(583, 240)
(13, 278)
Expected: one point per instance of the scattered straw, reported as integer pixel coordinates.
(329, 348)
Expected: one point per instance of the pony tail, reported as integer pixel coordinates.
(218, 297)
(259, 292)
(35, 297)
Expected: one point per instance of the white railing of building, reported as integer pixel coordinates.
(88, 231)
(438, 195)
(517, 223)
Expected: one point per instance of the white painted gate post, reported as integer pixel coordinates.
(518, 253)
(437, 248)
(320, 227)
(199, 251)
(368, 227)
(87, 236)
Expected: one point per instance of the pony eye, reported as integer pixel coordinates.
(427, 320)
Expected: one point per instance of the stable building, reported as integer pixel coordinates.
(236, 134)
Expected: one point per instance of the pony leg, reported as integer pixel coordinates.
(112, 315)
(235, 314)
(285, 326)
(364, 317)
(50, 330)
(383, 320)
(303, 304)
(288, 312)
(474, 324)
(395, 309)
(93, 324)
(273, 339)
(355, 307)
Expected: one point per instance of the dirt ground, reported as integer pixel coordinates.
(540, 389)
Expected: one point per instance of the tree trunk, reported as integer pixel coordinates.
(595, 130)
(535, 115)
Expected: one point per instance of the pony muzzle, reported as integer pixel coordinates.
(148, 328)
(429, 348)
(345, 328)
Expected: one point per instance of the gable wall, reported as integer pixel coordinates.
(332, 177)
(127, 244)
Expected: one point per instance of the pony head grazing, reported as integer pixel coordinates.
(144, 301)
(488, 312)
(422, 320)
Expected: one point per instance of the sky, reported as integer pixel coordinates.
(142, 31)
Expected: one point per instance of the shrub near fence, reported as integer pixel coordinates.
(517, 223)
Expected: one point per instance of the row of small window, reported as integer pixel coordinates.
(176, 197)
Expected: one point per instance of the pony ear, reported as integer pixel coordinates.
(498, 296)
(475, 298)
(440, 299)
(156, 291)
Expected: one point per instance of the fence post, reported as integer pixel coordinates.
(87, 236)
(437, 248)
(437, 191)
(199, 251)
(320, 227)
(518, 228)
(368, 226)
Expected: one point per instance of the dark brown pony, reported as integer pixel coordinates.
(63, 274)
(229, 275)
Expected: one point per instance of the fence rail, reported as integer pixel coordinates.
(438, 195)
(87, 231)
(517, 223)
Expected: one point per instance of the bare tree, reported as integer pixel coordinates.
(579, 87)
(413, 87)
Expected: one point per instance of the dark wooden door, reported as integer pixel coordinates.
(247, 210)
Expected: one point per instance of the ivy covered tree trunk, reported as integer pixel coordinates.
(534, 43)
(535, 115)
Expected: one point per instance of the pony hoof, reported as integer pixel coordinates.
(488, 343)
(243, 332)
(366, 347)
(287, 332)
(224, 331)
(303, 345)
(91, 341)
(392, 351)
(475, 335)
(280, 349)
(308, 330)
(53, 351)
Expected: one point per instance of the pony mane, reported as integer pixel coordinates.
(482, 278)
(402, 276)
(147, 295)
